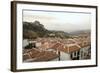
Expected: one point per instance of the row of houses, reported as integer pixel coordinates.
(66, 49)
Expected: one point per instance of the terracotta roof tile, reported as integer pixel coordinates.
(73, 48)
(36, 56)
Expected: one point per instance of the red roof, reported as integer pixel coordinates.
(67, 48)
(35, 55)
(73, 48)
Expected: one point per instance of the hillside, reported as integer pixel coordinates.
(36, 29)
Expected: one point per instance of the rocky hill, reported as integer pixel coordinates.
(36, 29)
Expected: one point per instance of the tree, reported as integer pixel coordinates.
(30, 35)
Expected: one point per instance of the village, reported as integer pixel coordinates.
(57, 49)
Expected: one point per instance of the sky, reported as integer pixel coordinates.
(61, 21)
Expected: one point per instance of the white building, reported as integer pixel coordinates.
(64, 56)
(25, 42)
(85, 52)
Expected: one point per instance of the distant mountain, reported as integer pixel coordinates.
(36, 29)
(80, 32)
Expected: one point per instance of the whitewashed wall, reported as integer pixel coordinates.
(64, 56)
